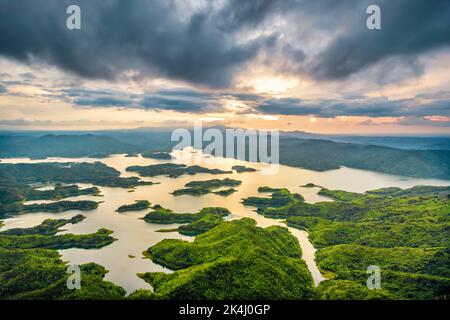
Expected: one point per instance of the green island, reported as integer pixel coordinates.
(172, 170)
(234, 260)
(157, 155)
(44, 236)
(225, 192)
(58, 206)
(280, 197)
(136, 206)
(198, 188)
(310, 185)
(194, 223)
(240, 169)
(23, 174)
(26, 193)
(403, 231)
(31, 268)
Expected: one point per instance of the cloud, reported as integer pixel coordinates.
(179, 100)
(23, 122)
(422, 121)
(116, 36)
(179, 105)
(370, 107)
(28, 76)
(409, 28)
(101, 102)
(210, 43)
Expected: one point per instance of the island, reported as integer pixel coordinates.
(278, 198)
(310, 185)
(34, 268)
(66, 172)
(136, 206)
(59, 206)
(198, 188)
(240, 169)
(196, 223)
(157, 155)
(172, 170)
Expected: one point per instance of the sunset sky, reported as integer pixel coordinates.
(287, 64)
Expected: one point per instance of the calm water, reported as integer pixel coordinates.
(135, 235)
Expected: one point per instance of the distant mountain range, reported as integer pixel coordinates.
(399, 142)
(424, 157)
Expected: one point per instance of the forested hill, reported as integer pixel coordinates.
(314, 154)
(325, 155)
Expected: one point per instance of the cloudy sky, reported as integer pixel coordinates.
(287, 64)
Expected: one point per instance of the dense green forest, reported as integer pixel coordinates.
(137, 206)
(172, 170)
(198, 188)
(404, 232)
(59, 206)
(193, 223)
(31, 268)
(97, 173)
(235, 260)
(156, 155)
(240, 169)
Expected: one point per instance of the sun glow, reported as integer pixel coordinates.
(273, 85)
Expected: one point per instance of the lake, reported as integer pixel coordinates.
(135, 235)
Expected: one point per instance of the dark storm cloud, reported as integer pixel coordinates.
(179, 100)
(179, 105)
(116, 36)
(207, 47)
(238, 13)
(102, 102)
(409, 28)
(182, 100)
(184, 93)
(370, 107)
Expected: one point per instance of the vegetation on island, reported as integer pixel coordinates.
(27, 193)
(172, 170)
(225, 192)
(234, 260)
(16, 182)
(48, 227)
(31, 268)
(59, 206)
(157, 155)
(195, 223)
(403, 231)
(67, 172)
(310, 185)
(321, 155)
(136, 206)
(198, 188)
(240, 169)
(44, 236)
(279, 198)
